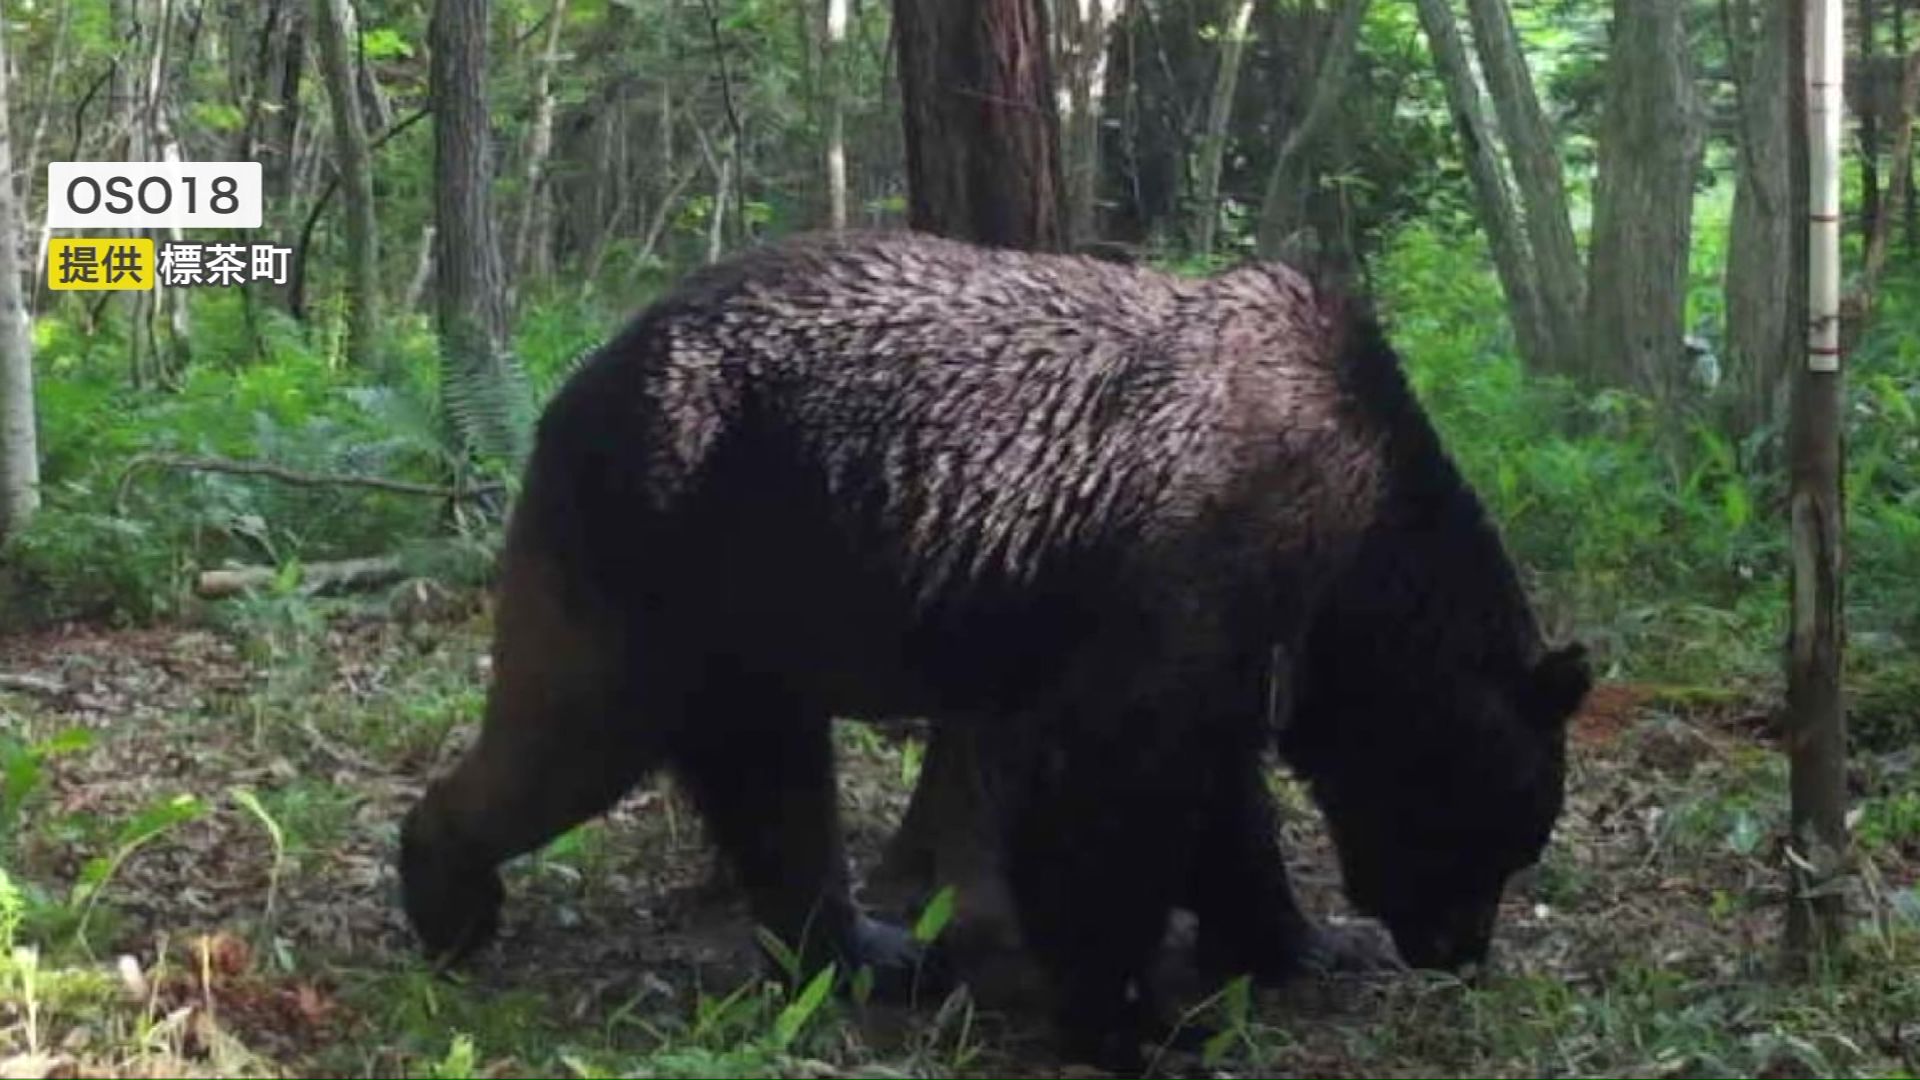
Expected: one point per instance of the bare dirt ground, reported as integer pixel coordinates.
(1642, 944)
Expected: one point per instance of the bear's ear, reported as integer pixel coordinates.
(1558, 684)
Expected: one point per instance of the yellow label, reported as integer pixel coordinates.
(96, 263)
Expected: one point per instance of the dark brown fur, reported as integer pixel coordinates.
(1080, 505)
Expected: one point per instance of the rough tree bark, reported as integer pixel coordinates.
(1537, 174)
(982, 133)
(1290, 181)
(1213, 140)
(1760, 338)
(1650, 149)
(1817, 732)
(19, 448)
(339, 55)
(471, 312)
(1511, 258)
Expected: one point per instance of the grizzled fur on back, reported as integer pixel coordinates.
(986, 416)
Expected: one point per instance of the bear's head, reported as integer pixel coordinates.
(1437, 794)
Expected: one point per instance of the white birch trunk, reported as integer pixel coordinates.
(19, 448)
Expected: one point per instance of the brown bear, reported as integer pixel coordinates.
(1124, 525)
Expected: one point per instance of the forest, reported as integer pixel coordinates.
(250, 526)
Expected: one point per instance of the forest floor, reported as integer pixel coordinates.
(198, 825)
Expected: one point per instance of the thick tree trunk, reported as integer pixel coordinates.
(532, 239)
(982, 134)
(1760, 339)
(1290, 181)
(1213, 140)
(19, 447)
(471, 301)
(833, 69)
(1817, 734)
(1643, 202)
(1511, 258)
(339, 55)
(1536, 170)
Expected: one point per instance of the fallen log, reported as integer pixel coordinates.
(346, 575)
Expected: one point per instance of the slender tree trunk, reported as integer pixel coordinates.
(1869, 123)
(1643, 202)
(1760, 339)
(161, 142)
(1511, 259)
(470, 296)
(1817, 736)
(532, 240)
(1084, 51)
(1290, 181)
(833, 68)
(339, 55)
(1909, 207)
(1537, 174)
(19, 447)
(1897, 180)
(422, 273)
(982, 133)
(1213, 141)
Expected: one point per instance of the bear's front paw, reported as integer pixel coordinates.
(902, 967)
(1346, 950)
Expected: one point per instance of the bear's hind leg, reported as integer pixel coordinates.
(758, 762)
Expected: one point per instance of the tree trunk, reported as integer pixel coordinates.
(1511, 259)
(982, 134)
(833, 70)
(1213, 141)
(1817, 735)
(1760, 339)
(1897, 180)
(339, 55)
(1536, 170)
(19, 449)
(422, 273)
(1869, 124)
(470, 299)
(1643, 202)
(1084, 33)
(1290, 181)
(532, 240)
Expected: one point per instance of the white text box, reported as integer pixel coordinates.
(153, 194)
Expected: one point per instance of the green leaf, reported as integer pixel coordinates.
(934, 917)
(384, 43)
(1737, 505)
(783, 955)
(787, 1026)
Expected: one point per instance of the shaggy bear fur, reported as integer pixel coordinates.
(1096, 511)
